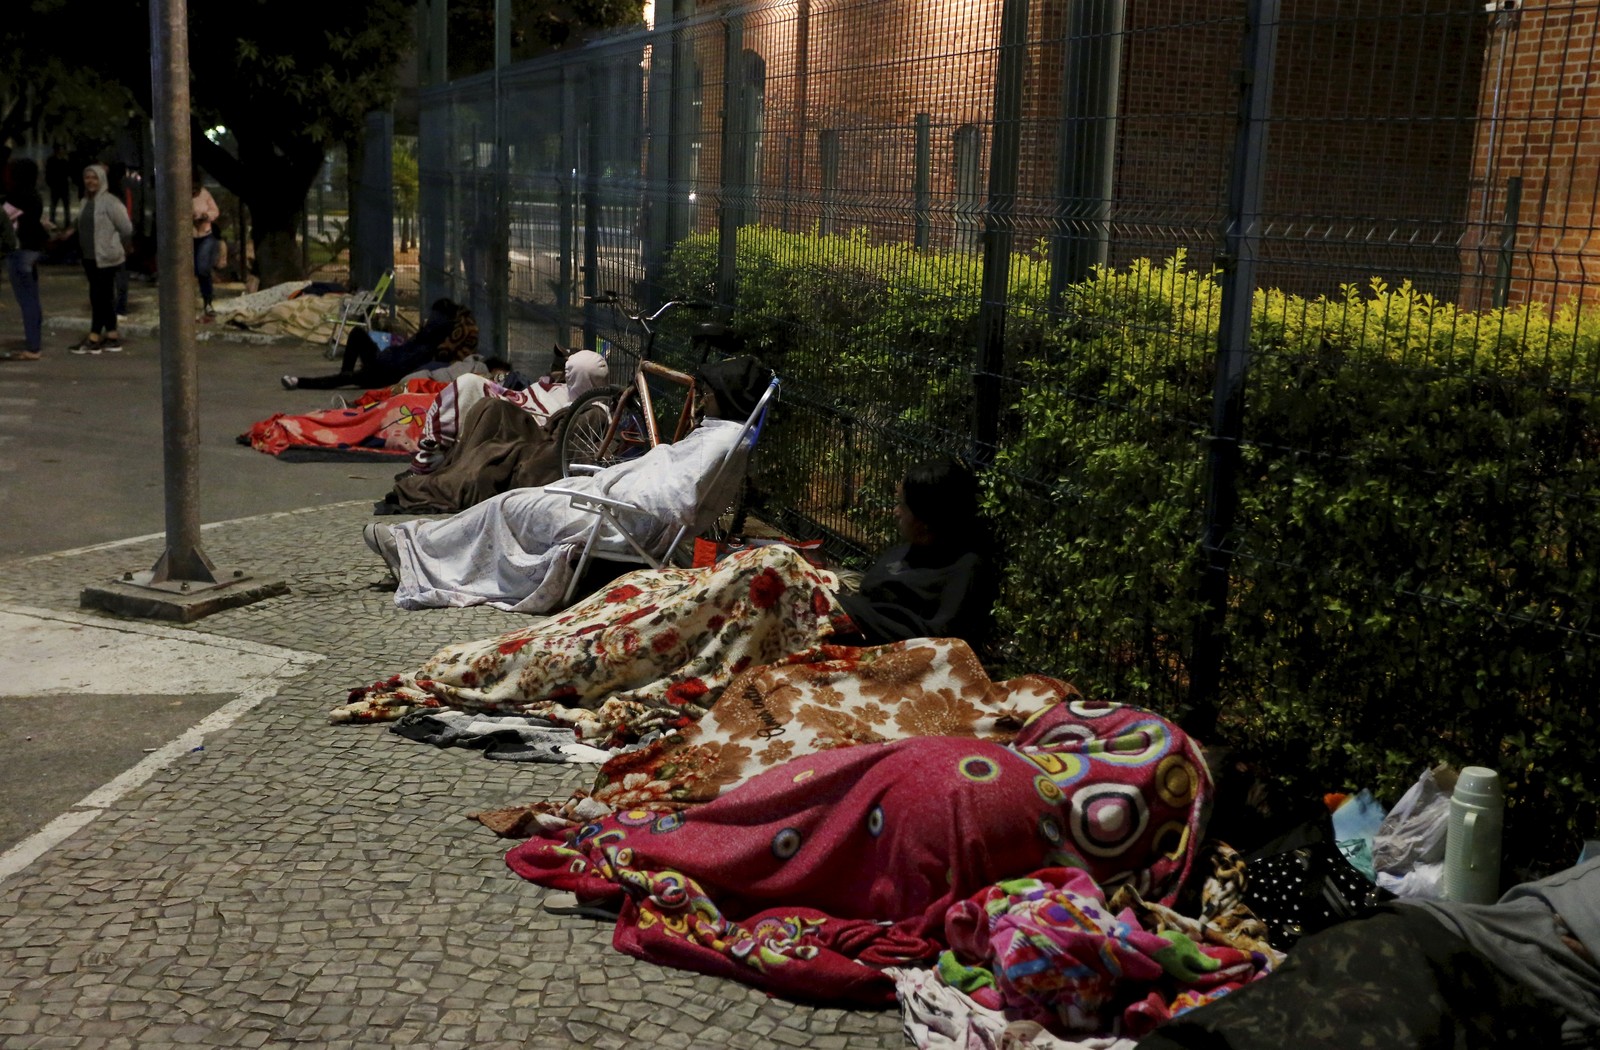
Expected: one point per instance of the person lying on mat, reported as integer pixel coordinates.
(655, 648)
(812, 877)
(448, 335)
(517, 551)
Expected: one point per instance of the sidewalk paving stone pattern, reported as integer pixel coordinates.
(300, 884)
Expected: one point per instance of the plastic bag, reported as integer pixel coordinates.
(1409, 847)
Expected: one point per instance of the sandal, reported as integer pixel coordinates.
(21, 355)
(564, 903)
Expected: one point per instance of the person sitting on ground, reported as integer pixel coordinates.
(938, 582)
(449, 335)
(655, 648)
(518, 550)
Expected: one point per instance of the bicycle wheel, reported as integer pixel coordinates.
(584, 430)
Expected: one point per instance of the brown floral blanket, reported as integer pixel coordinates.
(652, 651)
(828, 697)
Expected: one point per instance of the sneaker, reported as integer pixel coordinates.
(85, 347)
(112, 346)
(289, 382)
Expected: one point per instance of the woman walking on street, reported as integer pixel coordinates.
(205, 241)
(103, 227)
(22, 266)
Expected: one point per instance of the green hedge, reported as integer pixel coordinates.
(1420, 498)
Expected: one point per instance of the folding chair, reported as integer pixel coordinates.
(355, 311)
(607, 510)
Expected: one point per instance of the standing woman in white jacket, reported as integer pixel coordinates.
(103, 228)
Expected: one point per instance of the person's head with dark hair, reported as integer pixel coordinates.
(731, 389)
(938, 503)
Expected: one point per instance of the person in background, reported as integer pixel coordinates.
(26, 211)
(449, 335)
(205, 242)
(58, 179)
(103, 228)
(116, 184)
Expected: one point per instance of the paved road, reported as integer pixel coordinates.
(80, 437)
(290, 883)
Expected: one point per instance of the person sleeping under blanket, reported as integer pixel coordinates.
(517, 551)
(480, 439)
(655, 648)
(811, 878)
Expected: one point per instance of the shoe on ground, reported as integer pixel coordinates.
(112, 346)
(380, 539)
(21, 355)
(562, 902)
(88, 346)
(289, 382)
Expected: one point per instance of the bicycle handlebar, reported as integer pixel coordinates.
(692, 304)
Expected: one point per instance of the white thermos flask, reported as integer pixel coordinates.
(1472, 840)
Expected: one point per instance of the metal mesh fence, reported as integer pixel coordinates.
(1266, 318)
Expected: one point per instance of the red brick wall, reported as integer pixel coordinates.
(1541, 123)
(1370, 149)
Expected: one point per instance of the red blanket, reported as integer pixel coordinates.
(794, 879)
(377, 422)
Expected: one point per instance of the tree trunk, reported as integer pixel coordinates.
(277, 255)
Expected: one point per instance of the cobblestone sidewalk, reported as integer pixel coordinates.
(299, 884)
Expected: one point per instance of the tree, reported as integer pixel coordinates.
(52, 95)
(288, 78)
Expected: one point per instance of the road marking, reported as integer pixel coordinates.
(273, 664)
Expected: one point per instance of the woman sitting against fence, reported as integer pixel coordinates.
(655, 648)
(449, 335)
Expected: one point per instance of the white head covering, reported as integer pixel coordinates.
(586, 370)
(101, 174)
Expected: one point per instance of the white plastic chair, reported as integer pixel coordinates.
(607, 509)
(355, 311)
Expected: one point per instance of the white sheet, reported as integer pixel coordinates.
(517, 551)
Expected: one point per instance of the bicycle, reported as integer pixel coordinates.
(611, 423)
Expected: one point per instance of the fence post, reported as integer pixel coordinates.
(1508, 242)
(684, 130)
(565, 211)
(1237, 261)
(731, 201)
(922, 182)
(658, 174)
(591, 207)
(1004, 158)
(1086, 164)
(499, 247)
